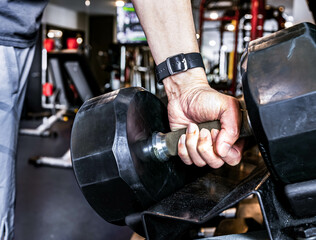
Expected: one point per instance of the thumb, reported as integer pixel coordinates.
(230, 128)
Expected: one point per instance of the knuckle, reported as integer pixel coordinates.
(200, 163)
(186, 161)
(216, 164)
(185, 158)
(203, 148)
(234, 101)
(182, 154)
(191, 145)
(189, 141)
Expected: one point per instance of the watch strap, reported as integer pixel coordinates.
(177, 64)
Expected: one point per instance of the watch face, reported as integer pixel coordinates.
(129, 30)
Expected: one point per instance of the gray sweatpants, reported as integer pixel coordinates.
(15, 64)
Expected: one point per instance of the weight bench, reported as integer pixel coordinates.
(70, 75)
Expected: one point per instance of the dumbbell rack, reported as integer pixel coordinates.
(208, 196)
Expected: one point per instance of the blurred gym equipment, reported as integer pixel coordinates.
(67, 84)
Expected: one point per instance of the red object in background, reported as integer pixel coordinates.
(72, 43)
(74, 90)
(257, 20)
(49, 44)
(48, 89)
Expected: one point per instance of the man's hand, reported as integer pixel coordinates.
(195, 103)
(170, 30)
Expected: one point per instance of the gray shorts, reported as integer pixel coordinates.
(15, 64)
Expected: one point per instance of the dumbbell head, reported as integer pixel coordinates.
(279, 83)
(108, 145)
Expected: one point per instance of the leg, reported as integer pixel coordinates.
(14, 68)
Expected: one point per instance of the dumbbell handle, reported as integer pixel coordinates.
(166, 145)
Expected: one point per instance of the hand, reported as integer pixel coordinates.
(191, 101)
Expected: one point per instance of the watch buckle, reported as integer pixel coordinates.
(183, 61)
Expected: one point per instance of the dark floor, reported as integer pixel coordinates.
(49, 202)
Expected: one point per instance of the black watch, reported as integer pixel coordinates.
(177, 64)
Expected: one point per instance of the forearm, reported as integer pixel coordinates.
(169, 29)
(168, 26)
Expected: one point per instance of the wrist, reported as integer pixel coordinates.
(185, 82)
(177, 64)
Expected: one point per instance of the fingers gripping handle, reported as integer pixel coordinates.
(172, 138)
(166, 145)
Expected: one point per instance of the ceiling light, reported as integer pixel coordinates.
(214, 15)
(212, 43)
(52, 33)
(58, 33)
(79, 40)
(224, 48)
(87, 3)
(197, 36)
(120, 3)
(230, 27)
(248, 16)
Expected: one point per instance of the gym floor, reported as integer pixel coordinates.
(49, 202)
